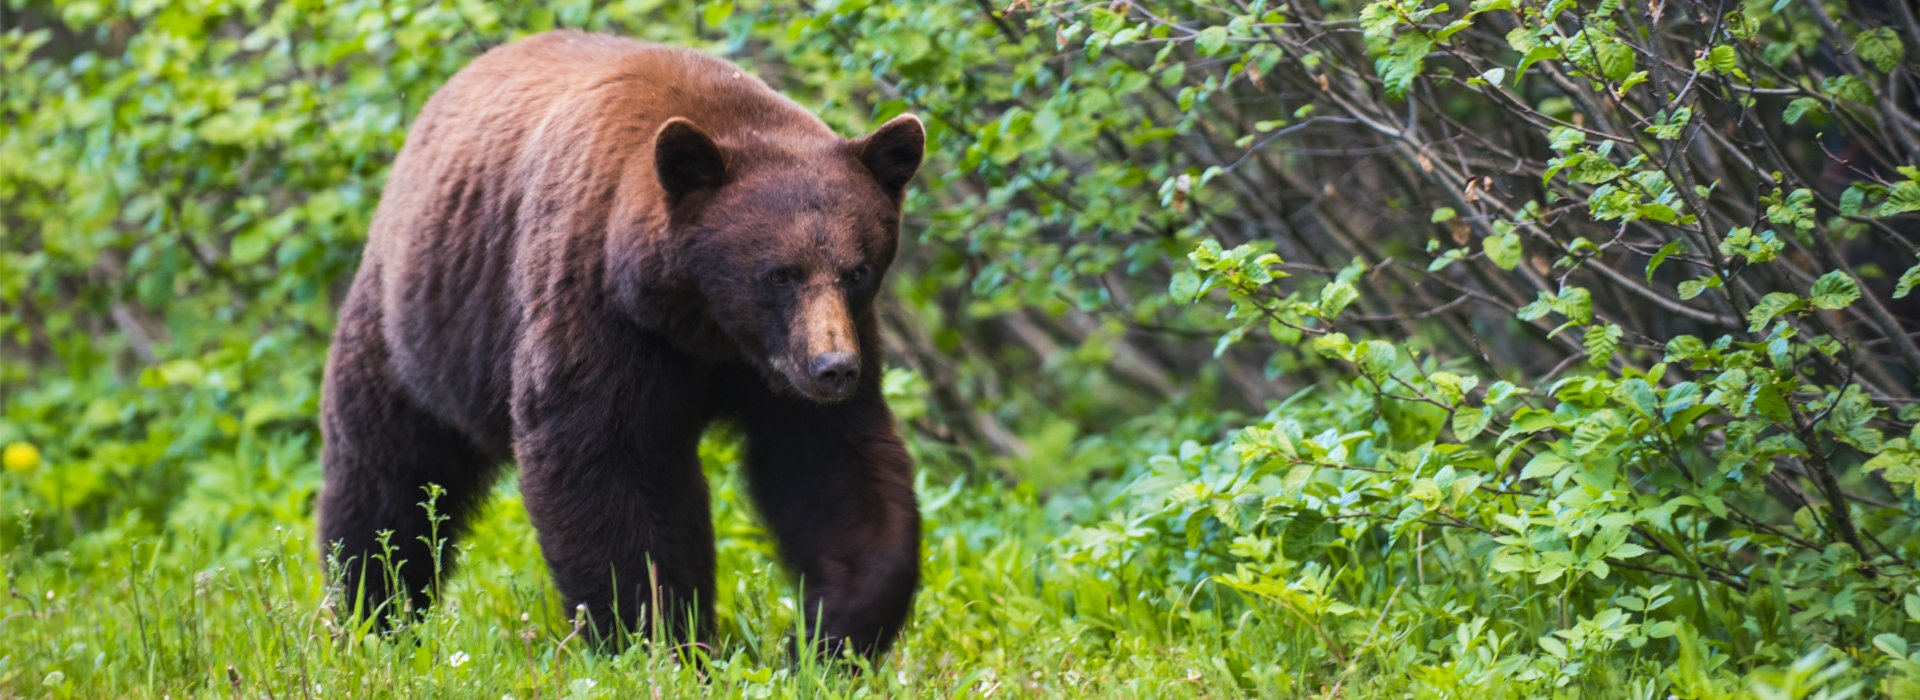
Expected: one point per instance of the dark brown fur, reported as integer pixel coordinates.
(588, 249)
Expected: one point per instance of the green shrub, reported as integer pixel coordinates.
(1644, 476)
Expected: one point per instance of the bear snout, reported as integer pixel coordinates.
(836, 373)
(822, 357)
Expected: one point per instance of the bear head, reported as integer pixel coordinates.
(787, 239)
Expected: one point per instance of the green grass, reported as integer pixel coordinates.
(175, 614)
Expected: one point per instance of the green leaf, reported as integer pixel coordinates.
(1173, 74)
(1849, 88)
(1637, 394)
(1589, 435)
(1523, 39)
(1184, 287)
(1565, 139)
(1667, 127)
(1834, 290)
(1537, 54)
(1210, 41)
(1375, 357)
(1545, 465)
(1529, 420)
(1408, 516)
(1907, 280)
(1616, 60)
(1692, 288)
(1403, 63)
(1451, 29)
(1576, 303)
(1799, 108)
(1724, 59)
(1637, 78)
(1443, 214)
(1601, 340)
(1503, 249)
(1593, 170)
(1540, 307)
(1682, 396)
(1334, 345)
(1300, 540)
(1187, 97)
(1555, 165)
(1452, 387)
(1661, 256)
(1657, 212)
(1377, 20)
(1335, 297)
(1770, 306)
(1894, 645)
(1424, 490)
(718, 12)
(1855, 197)
(249, 247)
(1470, 421)
(1626, 550)
(1881, 47)
(1446, 259)
(1684, 347)
(1903, 198)
(1501, 391)
(1756, 249)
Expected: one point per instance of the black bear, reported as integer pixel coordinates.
(588, 249)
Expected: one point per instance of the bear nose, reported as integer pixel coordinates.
(836, 370)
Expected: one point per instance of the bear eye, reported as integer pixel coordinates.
(855, 275)
(779, 277)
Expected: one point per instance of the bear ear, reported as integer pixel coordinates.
(686, 160)
(893, 152)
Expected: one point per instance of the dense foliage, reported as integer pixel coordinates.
(1527, 348)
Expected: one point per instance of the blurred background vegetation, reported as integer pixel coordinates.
(1527, 348)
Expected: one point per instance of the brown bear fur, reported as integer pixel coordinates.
(588, 249)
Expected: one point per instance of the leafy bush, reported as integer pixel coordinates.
(1676, 502)
(1576, 333)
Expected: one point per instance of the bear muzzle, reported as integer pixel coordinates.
(822, 361)
(835, 374)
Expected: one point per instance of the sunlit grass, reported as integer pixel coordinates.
(182, 613)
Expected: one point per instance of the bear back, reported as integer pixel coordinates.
(526, 195)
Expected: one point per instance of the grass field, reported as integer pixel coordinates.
(197, 613)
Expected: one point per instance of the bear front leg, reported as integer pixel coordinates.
(835, 485)
(610, 474)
